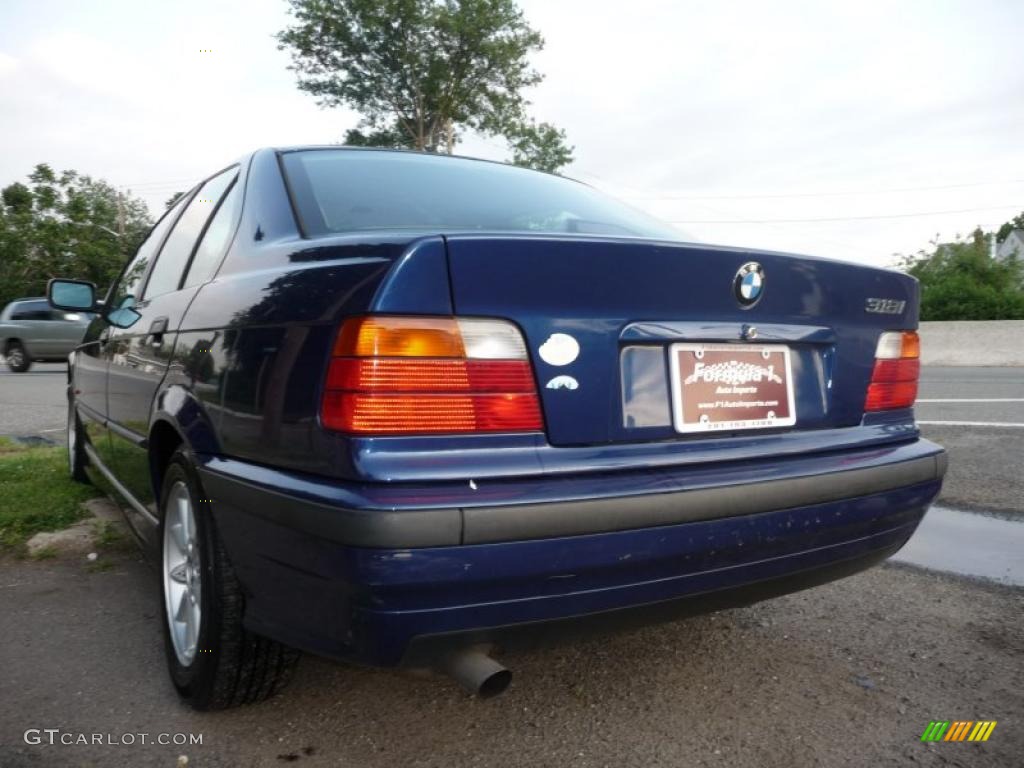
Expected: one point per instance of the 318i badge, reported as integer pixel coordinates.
(731, 387)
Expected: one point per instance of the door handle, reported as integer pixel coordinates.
(156, 332)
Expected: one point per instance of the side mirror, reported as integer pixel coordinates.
(71, 295)
(123, 317)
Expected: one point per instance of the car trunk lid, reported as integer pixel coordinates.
(601, 316)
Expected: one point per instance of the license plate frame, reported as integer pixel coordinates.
(731, 371)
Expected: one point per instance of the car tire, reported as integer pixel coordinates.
(77, 459)
(214, 662)
(18, 359)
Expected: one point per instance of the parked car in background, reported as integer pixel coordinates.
(33, 331)
(401, 409)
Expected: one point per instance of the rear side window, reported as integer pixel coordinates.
(216, 238)
(127, 291)
(32, 310)
(353, 190)
(174, 256)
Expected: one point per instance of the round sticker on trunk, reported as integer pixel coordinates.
(559, 349)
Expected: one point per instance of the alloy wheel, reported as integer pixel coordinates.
(182, 574)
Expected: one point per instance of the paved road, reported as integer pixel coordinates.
(957, 382)
(33, 403)
(985, 462)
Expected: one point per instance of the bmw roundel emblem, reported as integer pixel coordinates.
(748, 285)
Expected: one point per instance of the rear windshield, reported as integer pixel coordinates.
(355, 190)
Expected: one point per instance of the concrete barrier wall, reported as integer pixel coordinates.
(972, 342)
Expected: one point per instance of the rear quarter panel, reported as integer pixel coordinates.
(252, 349)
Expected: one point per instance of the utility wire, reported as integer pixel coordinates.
(159, 183)
(847, 218)
(782, 196)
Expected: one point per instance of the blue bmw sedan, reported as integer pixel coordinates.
(403, 409)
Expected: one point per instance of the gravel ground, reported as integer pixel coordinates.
(845, 674)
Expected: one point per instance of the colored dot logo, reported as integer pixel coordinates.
(958, 730)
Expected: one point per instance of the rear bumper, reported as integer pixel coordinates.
(385, 574)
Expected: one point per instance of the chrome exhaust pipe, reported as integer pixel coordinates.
(477, 672)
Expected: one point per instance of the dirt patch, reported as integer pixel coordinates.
(102, 528)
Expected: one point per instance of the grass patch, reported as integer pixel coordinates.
(38, 493)
(46, 553)
(111, 536)
(9, 446)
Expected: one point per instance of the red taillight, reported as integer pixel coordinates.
(429, 375)
(361, 413)
(897, 369)
(424, 375)
(887, 396)
(888, 371)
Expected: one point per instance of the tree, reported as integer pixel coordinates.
(422, 71)
(961, 281)
(384, 137)
(67, 225)
(540, 146)
(1004, 231)
(173, 199)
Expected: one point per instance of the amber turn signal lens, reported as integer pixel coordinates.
(911, 346)
(399, 337)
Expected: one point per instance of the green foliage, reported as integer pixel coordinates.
(540, 146)
(392, 136)
(1004, 231)
(961, 281)
(39, 494)
(421, 71)
(64, 225)
(173, 199)
(109, 535)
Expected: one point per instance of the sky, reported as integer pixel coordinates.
(814, 127)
